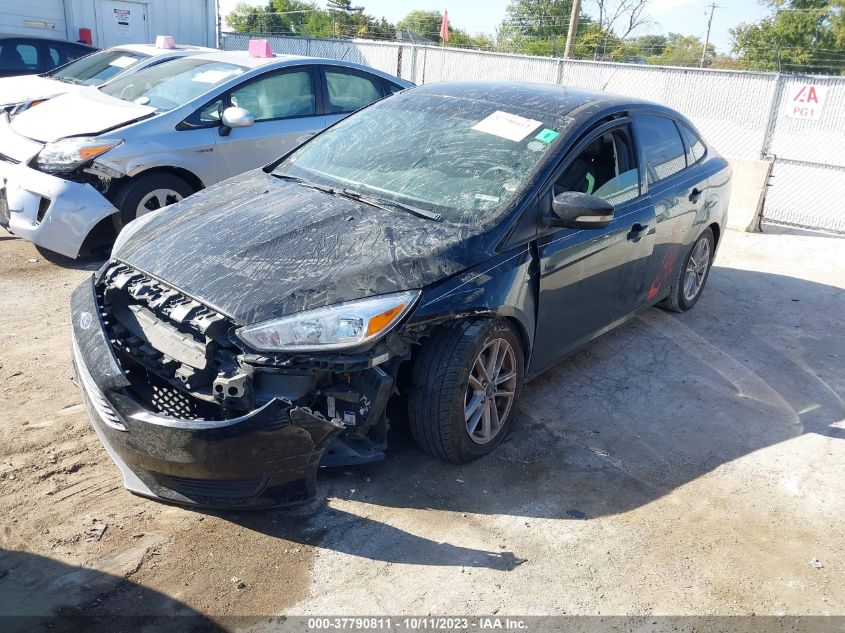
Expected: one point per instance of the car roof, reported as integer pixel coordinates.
(548, 98)
(242, 58)
(154, 51)
(21, 36)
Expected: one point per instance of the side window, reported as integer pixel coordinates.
(55, 57)
(695, 146)
(662, 145)
(350, 91)
(208, 115)
(211, 114)
(17, 56)
(278, 96)
(606, 168)
(29, 54)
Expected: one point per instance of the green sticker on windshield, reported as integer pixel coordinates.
(547, 135)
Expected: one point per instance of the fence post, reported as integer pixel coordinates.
(772, 121)
(413, 76)
(559, 71)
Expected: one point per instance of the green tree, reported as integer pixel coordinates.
(647, 45)
(424, 23)
(283, 17)
(537, 27)
(682, 50)
(427, 25)
(804, 36)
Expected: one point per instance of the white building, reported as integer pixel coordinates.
(113, 22)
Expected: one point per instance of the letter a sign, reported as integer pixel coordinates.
(805, 101)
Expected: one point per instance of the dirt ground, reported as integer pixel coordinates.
(684, 464)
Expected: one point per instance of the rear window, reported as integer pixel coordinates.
(695, 146)
(350, 91)
(662, 145)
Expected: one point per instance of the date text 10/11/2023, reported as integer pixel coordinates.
(418, 623)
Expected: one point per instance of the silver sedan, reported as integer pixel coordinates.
(83, 164)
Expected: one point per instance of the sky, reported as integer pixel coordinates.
(482, 16)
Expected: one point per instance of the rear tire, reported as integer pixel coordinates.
(464, 384)
(146, 193)
(691, 275)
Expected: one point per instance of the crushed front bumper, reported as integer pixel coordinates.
(49, 211)
(267, 458)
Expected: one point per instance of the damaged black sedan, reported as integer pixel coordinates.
(420, 259)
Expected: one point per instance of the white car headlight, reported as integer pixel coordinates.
(69, 153)
(340, 326)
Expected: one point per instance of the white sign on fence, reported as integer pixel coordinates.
(805, 101)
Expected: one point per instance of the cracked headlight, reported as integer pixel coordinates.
(67, 154)
(340, 326)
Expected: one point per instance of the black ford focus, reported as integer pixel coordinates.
(421, 259)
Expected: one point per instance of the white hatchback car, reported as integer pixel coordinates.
(18, 94)
(81, 165)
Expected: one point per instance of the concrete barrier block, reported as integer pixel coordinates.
(748, 192)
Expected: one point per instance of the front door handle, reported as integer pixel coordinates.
(637, 231)
(695, 195)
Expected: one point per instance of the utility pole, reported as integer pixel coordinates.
(712, 8)
(573, 28)
(219, 42)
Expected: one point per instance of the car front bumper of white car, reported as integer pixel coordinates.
(47, 210)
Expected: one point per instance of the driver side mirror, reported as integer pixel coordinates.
(235, 117)
(575, 210)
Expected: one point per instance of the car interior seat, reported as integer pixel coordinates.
(286, 95)
(11, 59)
(595, 166)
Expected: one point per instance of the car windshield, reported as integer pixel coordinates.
(97, 68)
(173, 83)
(464, 159)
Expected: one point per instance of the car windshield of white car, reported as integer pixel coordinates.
(173, 83)
(464, 159)
(97, 68)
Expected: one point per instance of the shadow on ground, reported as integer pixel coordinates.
(638, 413)
(90, 262)
(42, 594)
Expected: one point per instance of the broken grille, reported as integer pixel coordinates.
(174, 349)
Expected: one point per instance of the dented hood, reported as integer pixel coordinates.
(257, 247)
(86, 112)
(30, 88)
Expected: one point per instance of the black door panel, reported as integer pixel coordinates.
(591, 279)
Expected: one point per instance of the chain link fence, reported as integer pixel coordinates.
(742, 114)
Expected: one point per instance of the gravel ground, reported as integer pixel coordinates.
(683, 464)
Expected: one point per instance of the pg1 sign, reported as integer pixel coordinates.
(805, 101)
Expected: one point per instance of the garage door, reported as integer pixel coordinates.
(45, 18)
(124, 23)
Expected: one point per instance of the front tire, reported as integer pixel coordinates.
(464, 384)
(147, 193)
(692, 275)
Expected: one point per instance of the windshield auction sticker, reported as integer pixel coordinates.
(507, 125)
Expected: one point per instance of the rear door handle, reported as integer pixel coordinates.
(637, 231)
(695, 195)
